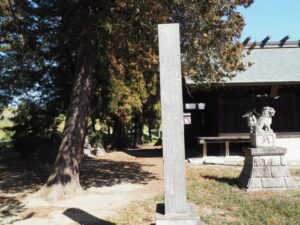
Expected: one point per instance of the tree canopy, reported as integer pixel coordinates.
(99, 60)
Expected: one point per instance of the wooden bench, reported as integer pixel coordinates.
(223, 139)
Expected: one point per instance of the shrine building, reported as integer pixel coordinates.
(214, 116)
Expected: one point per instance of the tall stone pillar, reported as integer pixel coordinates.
(176, 210)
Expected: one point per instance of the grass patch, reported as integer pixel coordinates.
(154, 134)
(295, 172)
(215, 190)
(138, 213)
(220, 201)
(4, 135)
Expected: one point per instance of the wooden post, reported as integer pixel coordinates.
(227, 149)
(204, 150)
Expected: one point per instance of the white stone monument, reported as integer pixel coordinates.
(175, 210)
(265, 167)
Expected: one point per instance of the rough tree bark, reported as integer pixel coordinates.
(141, 131)
(93, 120)
(135, 137)
(150, 133)
(63, 182)
(118, 134)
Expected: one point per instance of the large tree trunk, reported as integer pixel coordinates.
(118, 135)
(135, 137)
(150, 133)
(94, 121)
(64, 179)
(141, 131)
(138, 132)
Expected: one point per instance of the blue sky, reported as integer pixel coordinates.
(277, 18)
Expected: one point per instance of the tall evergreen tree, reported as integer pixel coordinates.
(49, 46)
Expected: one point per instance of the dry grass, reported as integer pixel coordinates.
(138, 213)
(220, 201)
(217, 189)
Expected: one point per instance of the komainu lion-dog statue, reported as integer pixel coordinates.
(260, 122)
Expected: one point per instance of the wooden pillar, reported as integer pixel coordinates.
(204, 150)
(227, 149)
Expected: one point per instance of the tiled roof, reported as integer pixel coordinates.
(271, 64)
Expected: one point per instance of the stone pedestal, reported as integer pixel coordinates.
(190, 218)
(262, 139)
(265, 168)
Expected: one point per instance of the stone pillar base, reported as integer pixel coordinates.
(262, 139)
(190, 218)
(265, 168)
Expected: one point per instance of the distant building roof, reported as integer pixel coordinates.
(273, 62)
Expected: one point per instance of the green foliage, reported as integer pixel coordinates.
(210, 38)
(5, 135)
(154, 136)
(34, 127)
(33, 119)
(38, 147)
(96, 138)
(39, 50)
(6, 150)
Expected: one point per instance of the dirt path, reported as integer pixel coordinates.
(111, 183)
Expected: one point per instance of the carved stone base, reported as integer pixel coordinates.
(265, 168)
(262, 139)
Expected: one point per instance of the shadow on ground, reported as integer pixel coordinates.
(17, 178)
(10, 207)
(158, 153)
(103, 172)
(145, 153)
(85, 218)
(231, 181)
(20, 177)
